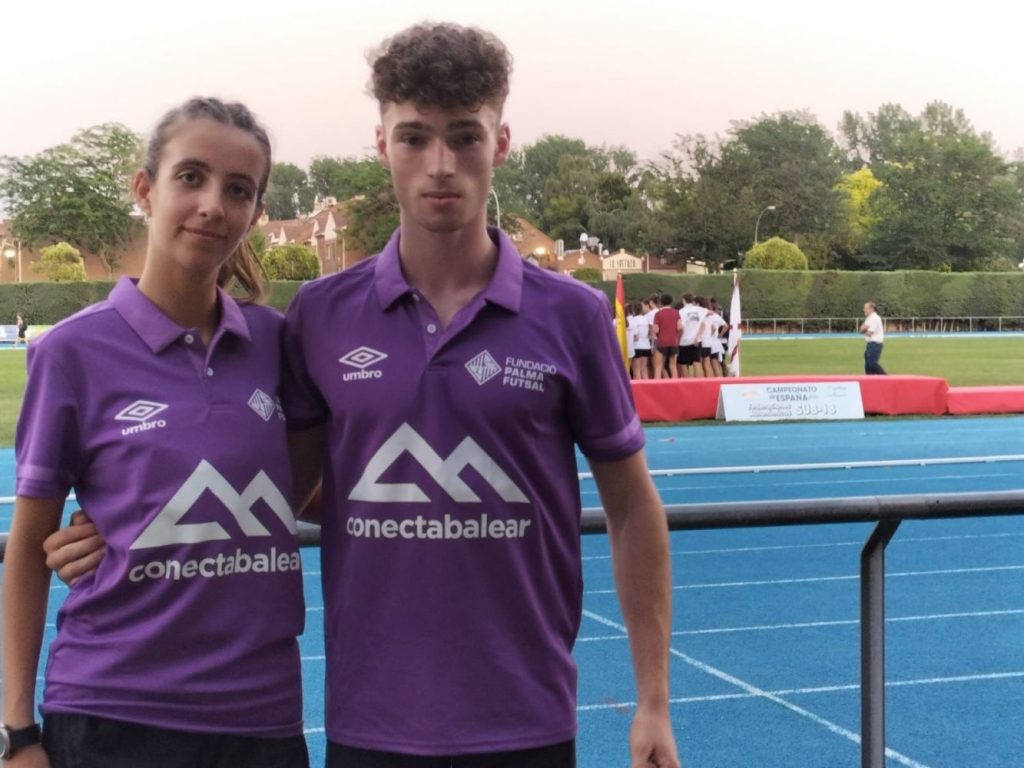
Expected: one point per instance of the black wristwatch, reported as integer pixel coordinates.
(13, 739)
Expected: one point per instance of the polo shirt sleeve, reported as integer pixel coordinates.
(49, 452)
(304, 405)
(602, 414)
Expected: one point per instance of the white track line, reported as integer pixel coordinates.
(821, 579)
(810, 691)
(756, 692)
(783, 547)
(758, 468)
(815, 624)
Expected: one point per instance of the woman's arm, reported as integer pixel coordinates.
(25, 593)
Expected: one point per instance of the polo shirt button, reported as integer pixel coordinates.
(415, 297)
(209, 371)
(189, 338)
(431, 328)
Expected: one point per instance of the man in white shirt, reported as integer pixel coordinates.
(874, 332)
(691, 326)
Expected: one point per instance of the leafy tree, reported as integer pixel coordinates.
(61, 263)
(858, 218)
(775, 253)
(372, 220)
(258, 243)
(949, 200)
(288, 192)
(291, 262)
(344, 178)
(76, 192)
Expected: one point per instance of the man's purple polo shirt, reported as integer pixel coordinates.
(178, 454)
(451, 538)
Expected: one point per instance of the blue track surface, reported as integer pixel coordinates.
(765, 665)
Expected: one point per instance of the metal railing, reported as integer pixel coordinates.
(799, 325)
(887, 512)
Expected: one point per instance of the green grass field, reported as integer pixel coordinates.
(961, 361)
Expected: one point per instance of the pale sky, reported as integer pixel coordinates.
(635, 73)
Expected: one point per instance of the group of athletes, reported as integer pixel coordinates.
(681, 340)
(433, 437)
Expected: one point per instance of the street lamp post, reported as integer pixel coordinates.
(757, 224)
(12, 251)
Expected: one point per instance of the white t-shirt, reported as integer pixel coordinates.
(874, 330)
(690, 316)
(712, 325)
(639, 331)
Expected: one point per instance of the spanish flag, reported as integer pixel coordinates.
(620, 319)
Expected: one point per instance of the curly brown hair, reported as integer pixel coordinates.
(441, 65)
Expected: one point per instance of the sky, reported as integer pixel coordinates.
(636, 73)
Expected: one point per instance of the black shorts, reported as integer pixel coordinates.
(705, 352)
(641, 353)
(689, 354)
(81, 741)
(668, 351)
(557, 756)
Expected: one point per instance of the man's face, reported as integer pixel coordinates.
(868, 309)
(441, 162)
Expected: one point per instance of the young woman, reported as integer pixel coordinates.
(159, 407)
(639, 331)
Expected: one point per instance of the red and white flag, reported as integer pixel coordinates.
(735, 327)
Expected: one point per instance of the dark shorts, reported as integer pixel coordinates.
(705, 352)
(689, 354)
(80, 741)
(641, 353)
(557, 756)
(668, 351)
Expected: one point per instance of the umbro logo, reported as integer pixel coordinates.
(444, 471)
(141, 411)
(483, 367)
(166, 528)
(362, 358)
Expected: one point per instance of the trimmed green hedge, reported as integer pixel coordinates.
(49, 303)
(766, 294)
(776, 294)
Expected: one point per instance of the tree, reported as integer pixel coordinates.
(291, 262)
(372, 219)
(288, 192)
(76, 192)
(706, 194)
(344, 178)
(775, 253)
(258, 243)
(858, 217)
(949, 201)
(61, 263)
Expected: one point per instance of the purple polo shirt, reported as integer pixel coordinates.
(451, 538)
(178, 454)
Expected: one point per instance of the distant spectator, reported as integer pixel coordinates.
(666, 334)
(874, 333)
(22, 329)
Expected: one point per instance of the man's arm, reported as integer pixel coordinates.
(26, 590)
(306, 449)
(640, 560)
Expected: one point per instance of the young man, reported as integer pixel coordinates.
(444, 424)
(451, 552)
(665, 332)
(691, 318)
(874, 333)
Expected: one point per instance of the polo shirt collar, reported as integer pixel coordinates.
(505, 288)
(156, 329)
